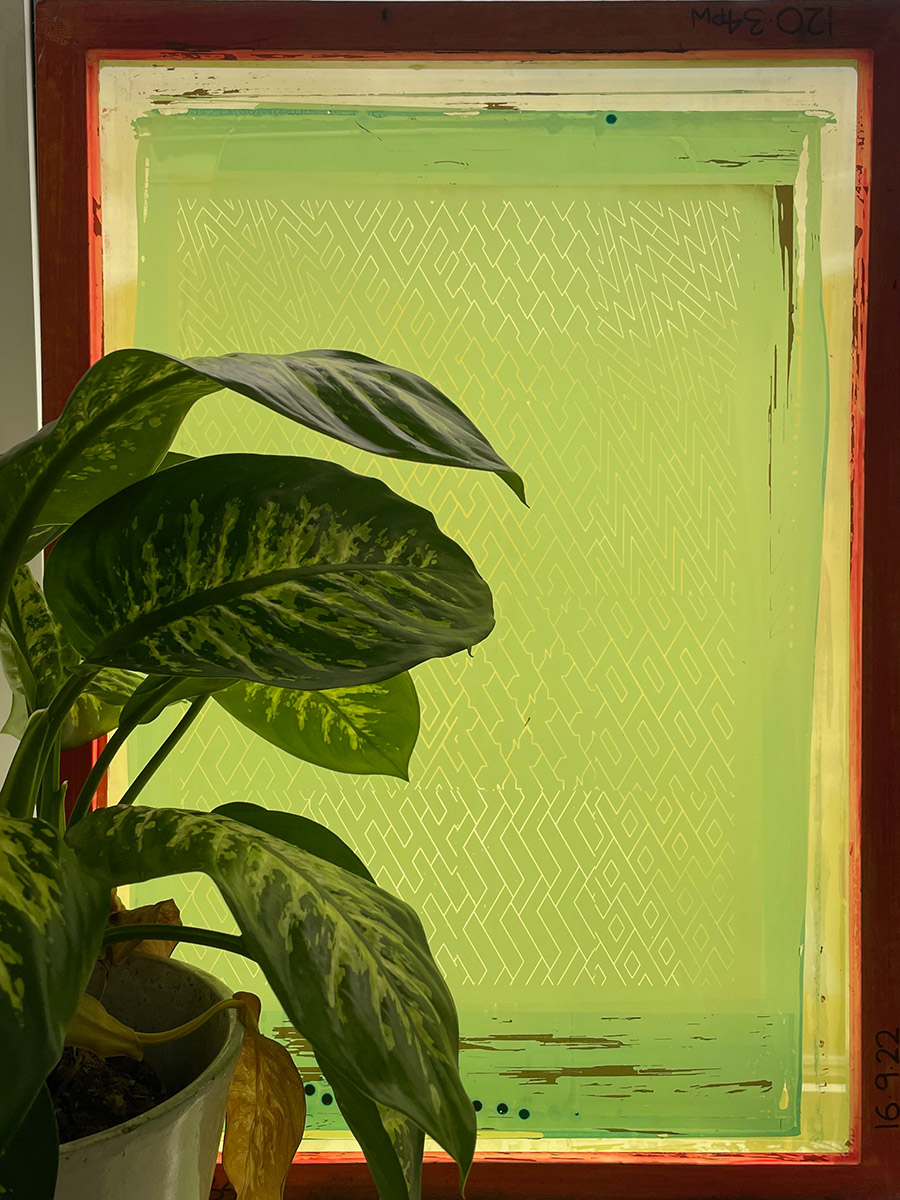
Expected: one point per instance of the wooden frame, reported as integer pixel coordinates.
(68, 32)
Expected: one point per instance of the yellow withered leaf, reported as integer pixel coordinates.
(93, 1028)
(265, 1115)
(164, 912)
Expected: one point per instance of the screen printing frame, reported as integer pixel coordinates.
(71, 35)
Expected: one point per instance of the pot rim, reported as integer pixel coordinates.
(223, 1061)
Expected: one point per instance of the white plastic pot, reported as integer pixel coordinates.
(168, 1153)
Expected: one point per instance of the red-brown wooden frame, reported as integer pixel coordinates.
(68, 35)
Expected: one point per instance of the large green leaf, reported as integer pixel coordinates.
(362, 402)
(392, 1144)
(123, 414)
(349, 962)
(297, 831)
(37, 659)
(289, 571)
(366, 730)
(29, 1164)
(52, 916)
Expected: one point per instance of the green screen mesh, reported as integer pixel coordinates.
(605, 830)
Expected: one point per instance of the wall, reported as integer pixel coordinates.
(20, 398)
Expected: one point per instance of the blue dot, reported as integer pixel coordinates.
(502, 1108)
(477, 1105)
(524, 1114)
(310, 1089)
(611, 118)
(327, 1098)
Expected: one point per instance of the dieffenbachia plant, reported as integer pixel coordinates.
(295, 594)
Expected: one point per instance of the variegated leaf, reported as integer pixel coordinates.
(392, 1143)
(298, 831)
(48, 656)
(367, 730)
(123, 414)
(119, 422)
(288, 571)
(37, 659)
(52, 917)
(349, 962)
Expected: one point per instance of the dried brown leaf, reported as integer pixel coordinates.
(265, 1115)
(164, 912)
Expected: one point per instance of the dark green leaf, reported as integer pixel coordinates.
(393, 1145)
(367, 730)
(362, 402)
(30, 1163)
(52, 917)
(349, 962)
(22, 469)
(300, 832)
(288, 571)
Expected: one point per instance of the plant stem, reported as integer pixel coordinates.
(164, 751)
(48, 806)
(98, 770)
(108, 753)
(176, 933)
(180, 1031)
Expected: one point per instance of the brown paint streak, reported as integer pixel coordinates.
(641, 1132)
(544, 1039)
(617, 1070)
(293, 1041)
(765, 1084)
(784, 200)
